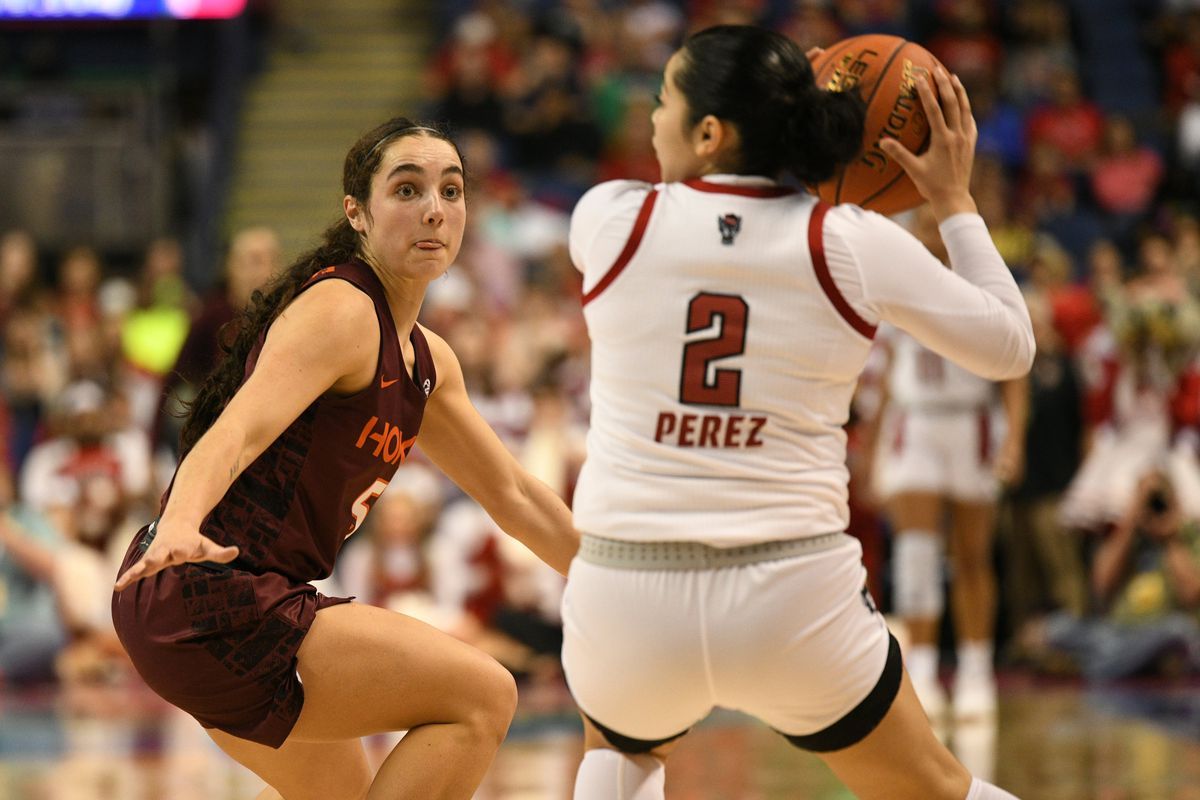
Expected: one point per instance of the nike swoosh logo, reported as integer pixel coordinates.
(383, 384)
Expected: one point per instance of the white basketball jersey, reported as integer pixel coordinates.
(920, 379)
(723, 363)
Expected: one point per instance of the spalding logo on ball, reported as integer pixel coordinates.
(884, 70)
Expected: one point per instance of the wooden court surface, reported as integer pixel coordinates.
(1051, 741)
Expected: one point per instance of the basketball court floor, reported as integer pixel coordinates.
(1052, 740)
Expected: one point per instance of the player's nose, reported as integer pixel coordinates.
(434, 213)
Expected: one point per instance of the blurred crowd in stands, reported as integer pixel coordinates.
(1088, 174)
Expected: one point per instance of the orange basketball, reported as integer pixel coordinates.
(885, 70)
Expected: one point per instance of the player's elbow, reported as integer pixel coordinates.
(1027, 349)
(1018, 357)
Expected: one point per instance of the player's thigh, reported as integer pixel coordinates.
(304, 770)
(901, 759)
(366, 670)
(632, 652)
(915, 510)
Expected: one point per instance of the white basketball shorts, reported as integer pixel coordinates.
(948, 453)
(794, 641)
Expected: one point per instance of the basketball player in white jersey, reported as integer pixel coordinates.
(939, 452)
(730, 317)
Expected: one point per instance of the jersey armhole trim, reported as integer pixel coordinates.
(387, 330)
(316, 276)
(816, 245)
(631, 246)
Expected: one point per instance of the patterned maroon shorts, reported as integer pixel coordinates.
(220, 642)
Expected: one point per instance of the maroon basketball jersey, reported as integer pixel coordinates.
(292, 508)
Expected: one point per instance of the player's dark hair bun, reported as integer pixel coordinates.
(822, 133)
(762, 83)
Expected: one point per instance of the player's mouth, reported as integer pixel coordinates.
(430, 244)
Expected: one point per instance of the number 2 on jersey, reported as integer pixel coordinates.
(728, 314)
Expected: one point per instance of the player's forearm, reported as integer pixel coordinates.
(949, 204)
(206, 474)
(538, 519)
(973, 315)
(1014, 396)
(974, 257)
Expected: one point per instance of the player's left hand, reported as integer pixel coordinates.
(1009, 466)
(170, 548)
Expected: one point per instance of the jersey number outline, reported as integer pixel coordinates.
(729, 313)
(364, 502)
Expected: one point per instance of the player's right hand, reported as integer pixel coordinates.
(942, 174)
(170, 548)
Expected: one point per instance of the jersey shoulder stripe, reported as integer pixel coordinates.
(816, 245)
(631, 246)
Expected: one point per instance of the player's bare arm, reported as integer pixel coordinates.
(458, 440)
(1010, 459)
(326, 340)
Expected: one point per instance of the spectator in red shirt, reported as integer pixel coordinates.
(1127, 175)
(1070, 123)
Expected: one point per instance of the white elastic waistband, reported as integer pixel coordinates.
(695, 555)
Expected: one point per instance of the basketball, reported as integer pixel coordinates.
(884, 69)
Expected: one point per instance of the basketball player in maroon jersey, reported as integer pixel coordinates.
(323, 394)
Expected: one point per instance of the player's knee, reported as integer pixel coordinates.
(972, 561)
(498, 702)
(917, 562)
(949, 780)
(935, 778)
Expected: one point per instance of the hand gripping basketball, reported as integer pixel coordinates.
(883, 71)
(942, 174)
(171, 548)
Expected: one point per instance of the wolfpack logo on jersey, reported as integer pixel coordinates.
(729, 225)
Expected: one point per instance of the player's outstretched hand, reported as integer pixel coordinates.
(942, 174)
(171, 548)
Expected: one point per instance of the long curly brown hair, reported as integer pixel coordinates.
(339, 244)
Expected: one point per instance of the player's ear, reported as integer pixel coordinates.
(712, 136)
(354, 212)
(707, 135)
